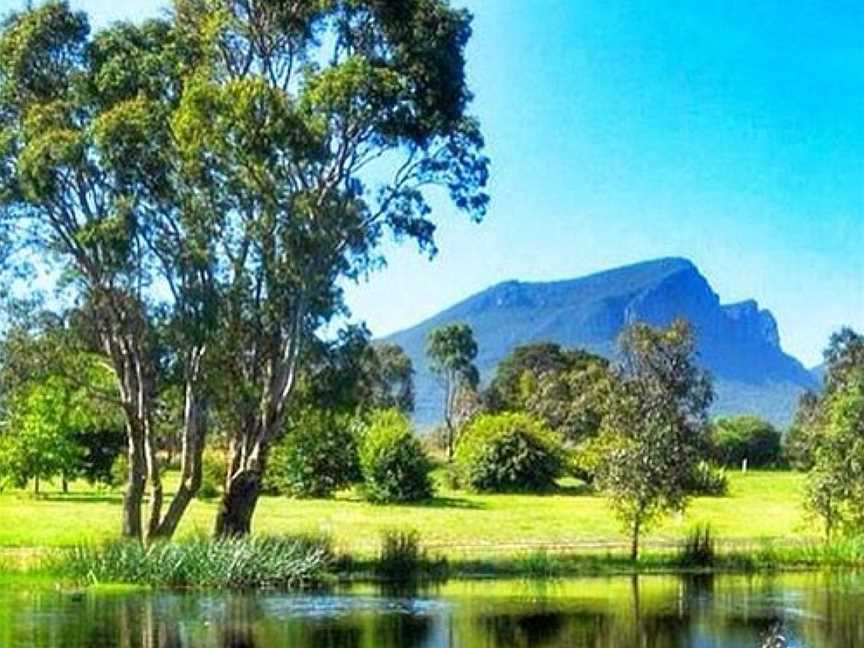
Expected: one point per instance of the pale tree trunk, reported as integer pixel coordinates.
(194, 429)
(250, 447)
(449, 398)
(136, 386)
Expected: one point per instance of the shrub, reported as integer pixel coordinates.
(252, 561)
(709, 480)
(508, 452)
(392, 462)
(316, 456)
(213, 472)
(737, 438)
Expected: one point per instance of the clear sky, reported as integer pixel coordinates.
(724, 131)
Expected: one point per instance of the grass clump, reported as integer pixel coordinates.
(402, 558)
(238, 563)
(699, 548)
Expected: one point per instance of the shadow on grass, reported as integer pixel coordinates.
(81, 498)
(451, 502)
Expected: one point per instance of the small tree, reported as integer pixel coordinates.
(452, 350)
(654, 428)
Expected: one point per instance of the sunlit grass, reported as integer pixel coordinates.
(760, 505)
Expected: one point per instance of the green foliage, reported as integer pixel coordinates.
(213, 469)
(316, 456)
(452, 350)
(565, 388)
(352, 374)
(800, 440)
(53, 428)
(833, 436)
(508, 452)
(709, 480)
(654, 429)
(738, 438)
(239, 563)
(392, 462)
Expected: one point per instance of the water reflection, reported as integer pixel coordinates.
(663, 612)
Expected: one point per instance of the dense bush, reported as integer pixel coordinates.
(508, 452)
(392, 462)
(737, 438)
(252, 561)
(709, 480)
(316, 456)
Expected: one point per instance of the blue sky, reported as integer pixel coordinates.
(730, 133)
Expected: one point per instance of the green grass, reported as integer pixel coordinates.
(760, 505)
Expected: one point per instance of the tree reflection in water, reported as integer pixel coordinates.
(812, 610)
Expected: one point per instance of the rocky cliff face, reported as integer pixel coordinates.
(738, 343)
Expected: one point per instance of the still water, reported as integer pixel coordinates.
(813, 610)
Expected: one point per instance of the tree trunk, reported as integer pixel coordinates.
(634, 540)
(191, 464)
(64, 483)
(136, 482)
(238, 504)
(36, 485)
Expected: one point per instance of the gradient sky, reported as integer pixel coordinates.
(727, 132)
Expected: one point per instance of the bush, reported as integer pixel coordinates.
(316, 456)
(252, 561)
(737, 438)
(392, 462)
(213, 473)
(508, 452)
(709, 480)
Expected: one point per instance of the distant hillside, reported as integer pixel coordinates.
(739, 343)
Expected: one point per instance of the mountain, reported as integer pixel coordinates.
(738, 343)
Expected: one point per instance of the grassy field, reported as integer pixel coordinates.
(760, 505)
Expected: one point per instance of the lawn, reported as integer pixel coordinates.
(760, 505)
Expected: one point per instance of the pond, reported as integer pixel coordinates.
(812, 610)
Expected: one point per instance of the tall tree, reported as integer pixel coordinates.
(312, 130)
(833, 437)
(88, 183)
(655, 426)
(452, 350)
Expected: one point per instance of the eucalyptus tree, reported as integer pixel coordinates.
(88, 185)
(313, 129)
(452, 350)
(655, 425)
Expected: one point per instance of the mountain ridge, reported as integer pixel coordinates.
(739, 343)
